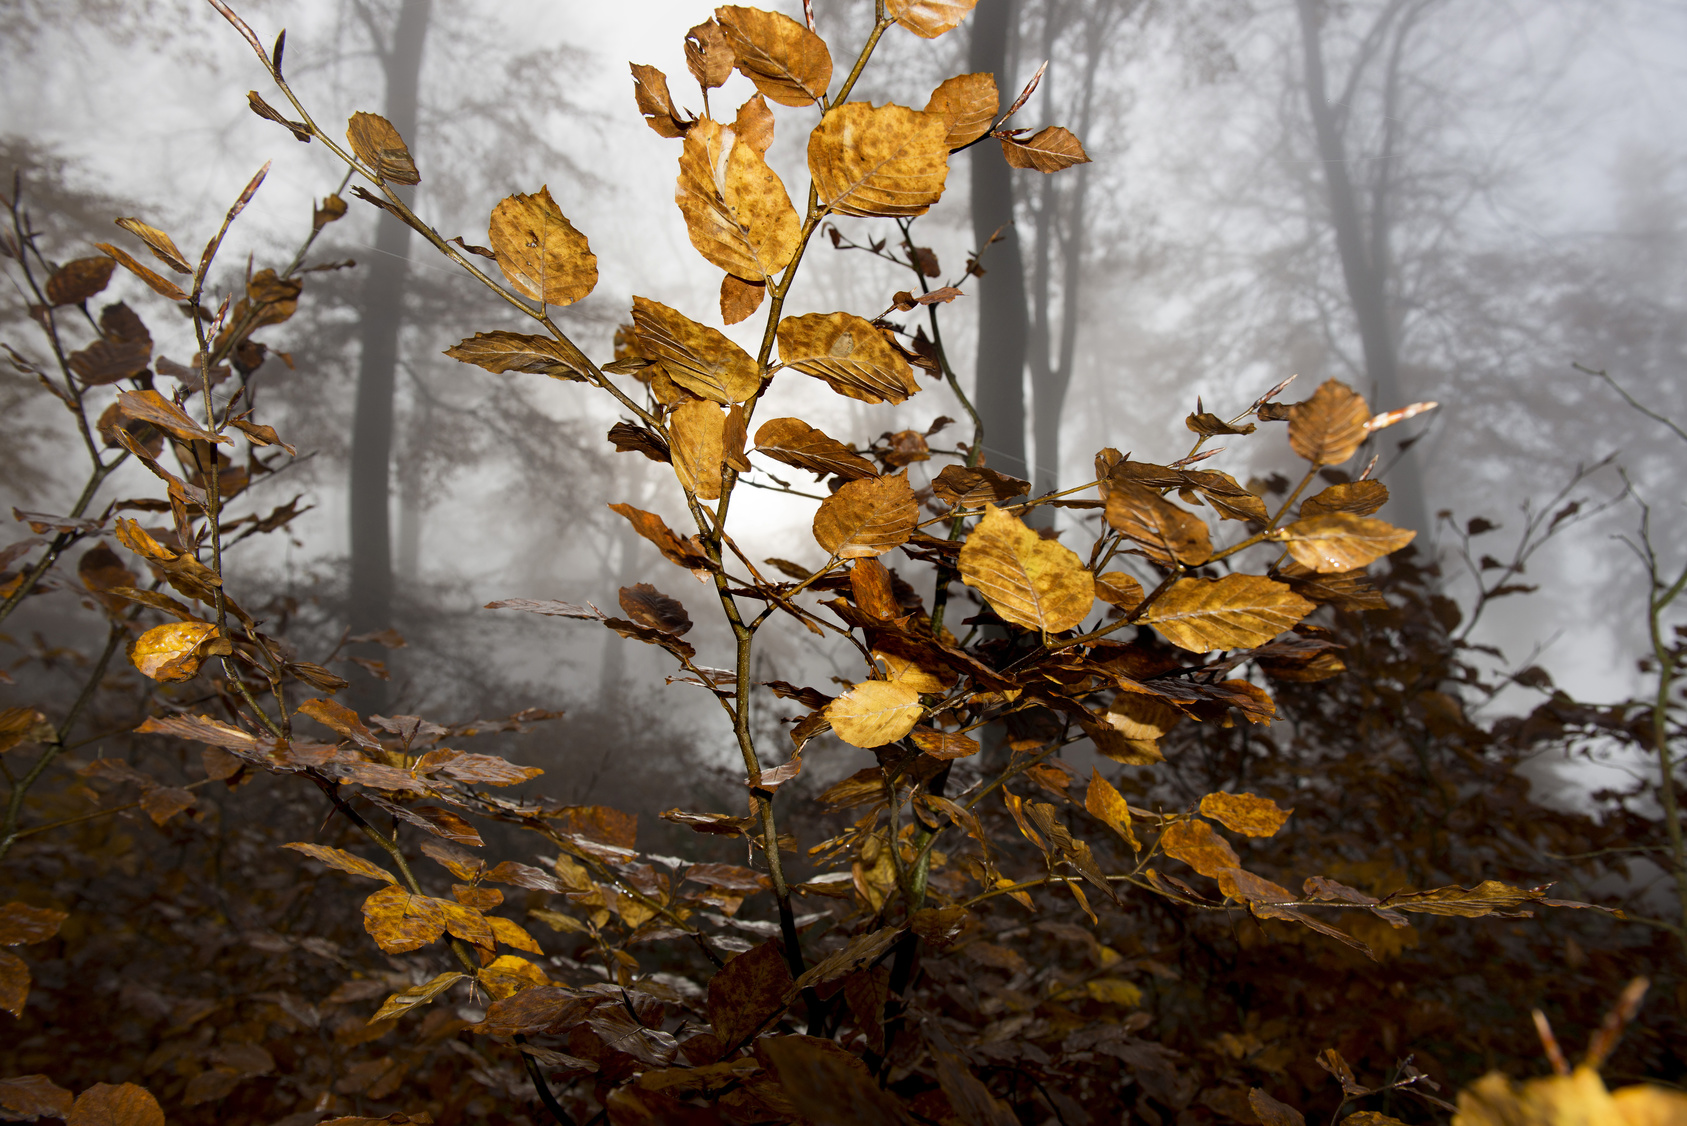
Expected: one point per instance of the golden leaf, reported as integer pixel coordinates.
(929, 18)
(1361, 498)
(695, 431)
(739, 298)
(1328, 428)
(736, 211)
(400, 1003)
(1049, 150)
(540, 252)
(400, 922)
(150, 406)
(796, 443)
(1029, 581)
(508, 975)
(1168, 533)
(512, 934)
(1119, 589)
(698, 358)
(343, 860)
(171, 652)
(1245, 813)
(707, 55)
(377, 144)
(106, 1104)
(885, 160)
(1341, 541)
(968, 104)
(1195, 843)
(160, 284)
(514, 351)
(944, 745)
(1138, 716)
(754, 124)
(163, 247)
(1559, 1100)
(875, 712)
(1108, 806)
(849, 354)
(1112, 742)
(872, 590)
(867, 517)
(1237, 611)
(76, 281)
(650, 92)
(786, 61)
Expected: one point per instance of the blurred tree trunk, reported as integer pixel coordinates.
(1363, 241)
(999, 392)
(382, 318)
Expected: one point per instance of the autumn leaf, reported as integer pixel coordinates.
(708, 56)
(1361, 498)
(163, 247)
(748, 992)
(867, 517)
(1328, 428)
(696, 432)
(849, 354)
(754, 124)
(400, 922)
(1029, 581)
(874, 713)
(871, 588)
(1341, 541)
(14, 983)
(28, 1097)
(377, 144)
(686, 553)
(150, 406)
(1245, 813)
(796, 443)
(648, 606)
(965, 487)
(929, 18)
(159, 284)
(1194, 842)
(77, 280)
(1049, 150)
(698, 358)
(650, 92)
(541, 254)
(21, 924)
(124, 1104)
(1581, 1096)
(1168, 533)
(786, 61)
(1119, 589)
(1270, 1112)
(1108, 806)
(402, 1002)
(172, 652)
(514, 351)
(735, 207)
(739, 298)
(343, 860)
(1234, 612)
(879, 161)
(945, 745)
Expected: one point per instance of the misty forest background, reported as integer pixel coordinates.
(1510, 193)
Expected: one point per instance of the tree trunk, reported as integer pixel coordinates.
(382, 317)
(999, 391)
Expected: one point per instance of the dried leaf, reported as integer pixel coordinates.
(879, 160)
(172, 652)
(28, 1097)
(1234, 612)
(1273, 1113)
(749, 991)
(343, 860)
(1341, 541)
(871, 588)
(698, 358)
(686, 553)
(1244, 813)
(735, 207)
(21, 725)
(1119, 589)
(754, 124)
(21, 924)
(514, 351)
(160, 284)
(14, 983)
(696, 432)
(945, 745)
(163, 802)
(377, 144)
(650, 91)
(1168, 533)
(875, 712)
(796, 443)
(827, 1084)
(400, 922)
(966, 487)
(1194, 842)
(163, 247)
(1049, 150)
(1108, 806)
(786, 61)
(125, 1104)
(849, 354)
(541, 254)
(1361, 498)
(150, 406)
(76, 281)
(628, 437)
(708, 55)
(402, 1002)
(929, 18)
(650, 607)
(1029, 581)
(1328, 428)
(867, 517)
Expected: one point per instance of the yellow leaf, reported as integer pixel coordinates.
(1168, 533)
(968, 104)
(902, 670)
(1579, 1098)
(1195, 843)
(1114, 991)
(1341, 541)
(1328, 428)
(172, 652)
(150, 406)
(929, 18)
(875, 712)
(1029, 581)
(377, 144)
(1245, 813)
(796, 443)
(508, 975)
(1049, 150)
(1358, 497)
(540, 252)
(867, 517)
(885, 160)
(1131, 750)
(786, 61)
(695, 432)
(163, 247)
(400, 1003)
(511, 934)
(848, 353)
(1235, 612)
(400, 922)
(1108, 806)
(343, 860)
(698, 358)
(944, 745)
(736, 211)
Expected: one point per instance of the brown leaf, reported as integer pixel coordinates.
(737, 214)
(650, 91)
(1234, 612)
(796, 443)
(1361, 498)
(21, 924)
(944, 745)
(21, 725)
(402, 1002)
(343, 860)
(123, 1105)
(739, 298)
(929, 18)
(163, 802)
(628, 437)
(1168, 533)
(968, 104)
(1119, 589)
(28, 1097)
(76, 281)
(708, 56)
(686, 553)
(650, 607)
(1271, 1112)
(107, 361)
(966, 487)
(698, 358)
(400, 922)
(514, 351)
(879, 160)
(163, 247)
(14, 983)
(172, 652)
(1195, 843)
(539, 251)
(1049, 150)
(754, 124)
(333, 208)
(849, 354)
(150, 406)
(1328, 428)
(696, 433)
(1244, 813)
(377, 144)
(867, 517)
(342, 720)
(1108, 806)
(1341, 541)
(489, 769)
(1032, 582)
(532, 1010)
(874, 713)
(748, 991)
(160, 284)
(871, 588)
(907, 447)
(826, 1083)
(786, 61)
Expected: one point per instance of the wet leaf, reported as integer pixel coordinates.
(698, 358)
(867, 517)
(1168, 533)
(28, 1097)
(541, 254)
(514, 351)
(172, 652)
(1328, 428)
(76, 281)
(929, 18)
(1029, 581)
(400, 922)
(21, 924)
(1244, 813)
(377, 144)
(1361, 498)
(648, 606)
(796, 443)
(402, 1002)
(1235, 612)
(875, 712)
(1194, 842)
(736, 211)
(748, 991)
(1108, 806)
(1341, 541)
(696, 433)
(849, 354)
(879, 161)
(125, 1104)
(343, 860)
(786, 61)
(1049, 150)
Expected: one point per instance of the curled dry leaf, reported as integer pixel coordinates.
(698, 358)
(786, 61)
(344, 861)
(875, 712)
(172, 652)
(696, 443)
(1245, 813)
(648, 606)
(796, 443)
(879, 160)
(708, 56)
(1107, 805)
(76, 281)
(160, 284)
(966, 487)
(736, 211)
(1049, 150)
(1234, 612)
(1341, 541)
(514, 351)
(686, 553)
(150, 406)
(163, 247)
(377, 144)
(541, 254)
(1361, 498)
(929, 18)
(650, 92)
(1328, 428)
(848, 353)
(400, 1003)
(1029, 581)
(867, 517)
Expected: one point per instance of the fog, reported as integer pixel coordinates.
(1539, 221)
